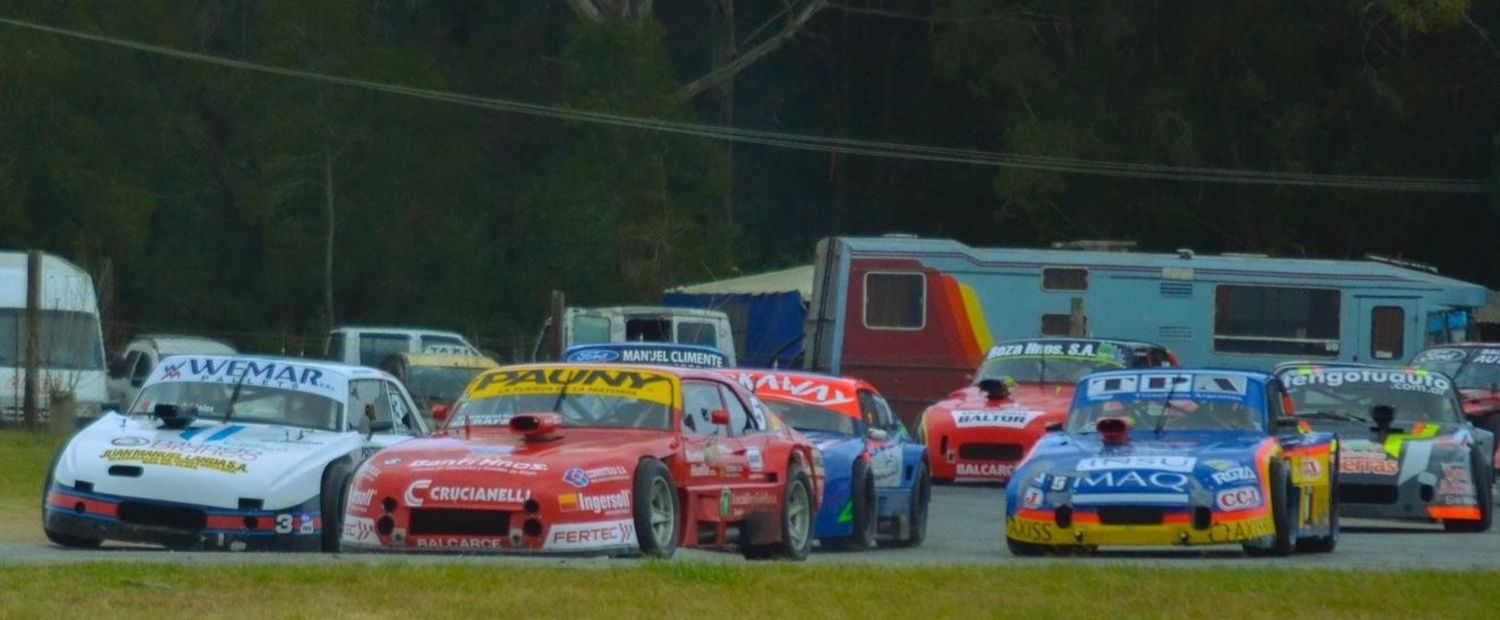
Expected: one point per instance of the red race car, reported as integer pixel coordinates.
(595, 459)
(981, 432)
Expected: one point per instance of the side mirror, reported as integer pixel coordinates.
(1054, 427)
(719, 417)
(362, 425)
(877, 434)
(1288, 422)
(439, 413)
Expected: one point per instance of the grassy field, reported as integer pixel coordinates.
(24, 458)
(685, 590)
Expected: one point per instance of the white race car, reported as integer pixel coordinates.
(227, 452)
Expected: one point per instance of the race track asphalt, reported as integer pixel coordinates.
(965, 529)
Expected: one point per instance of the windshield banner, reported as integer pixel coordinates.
(1407, 379)
(627, 383)
(273, 373)
(1088, 349)
(1176, 385)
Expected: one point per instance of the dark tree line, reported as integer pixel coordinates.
(236, 202)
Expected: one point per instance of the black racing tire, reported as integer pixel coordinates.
(1326, 544)
(59, 538)
(921, 496)
(863, 511)
(655, 509)
(797, 517)
(1483, 494)
(1026, 549)
(1282, 544)
(331, 500)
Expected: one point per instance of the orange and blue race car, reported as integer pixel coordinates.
(1176, 457)
(878, 484)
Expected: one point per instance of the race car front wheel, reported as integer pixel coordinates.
(1281, 541)
(921, 495)
(331, 501)
(655, 499)
(1483, 495)
(861, 511)
(796, 521)
(66, 540)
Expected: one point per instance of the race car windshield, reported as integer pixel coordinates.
(254, 404)
(1469, 374)
(810, 417)
(1353, 401)
(583, 410)
(1180, 414)
(439, 383)
(1043, 368)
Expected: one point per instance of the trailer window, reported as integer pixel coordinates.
(1058, 324)
(1386, 333)
(70, 339)
(895, 300)
(1276, 320)
(1065, 279)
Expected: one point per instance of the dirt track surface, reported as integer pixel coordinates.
(965, 528)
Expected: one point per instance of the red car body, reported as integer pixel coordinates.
(533, 482)
(976, 436)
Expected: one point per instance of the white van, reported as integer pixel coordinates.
(129, 371)
(697, 326)
(370, 346)
(72, 344)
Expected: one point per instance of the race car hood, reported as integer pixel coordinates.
(501, 456)
(1030, 407)
(1183, 468)
(207, 464)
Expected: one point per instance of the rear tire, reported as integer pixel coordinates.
(1483, 494)
(796, 521)
(1281, 545)
(331, 501)
(863, 517)
(921, 496)
(655, 509)
(59, 538)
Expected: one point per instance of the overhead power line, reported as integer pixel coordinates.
(870, 148)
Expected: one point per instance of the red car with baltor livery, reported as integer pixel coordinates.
(981, 432)
(593, 459)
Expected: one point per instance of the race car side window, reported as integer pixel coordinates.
(739, 417)
(868, 410)
(699, 400)
(405, 422)
(371, 393)
(142, 370)
(888, 419)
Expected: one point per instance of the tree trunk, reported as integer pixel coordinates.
(328, 241)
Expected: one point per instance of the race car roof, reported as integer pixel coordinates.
(837, 393)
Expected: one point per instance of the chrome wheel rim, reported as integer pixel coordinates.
(798, 515)
(663, 511)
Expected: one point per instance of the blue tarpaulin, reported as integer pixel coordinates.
(767, 326)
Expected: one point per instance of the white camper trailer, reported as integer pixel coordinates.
(71, 347)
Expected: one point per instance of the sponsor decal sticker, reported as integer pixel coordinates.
(1368, 462)
(618, 501)
(1456, 480)
(172, 459)
(359, 529)
(756, 461)
(994, 419)
(595, 535)
(1240, 530)
(361, 499)
(643, 384)
(1028, 530)
(1405, 379)
(1310, 467)
(129, 442)
(1233, 475)
(986, 470)
(1166, 463)
(474, 463)
(580, 477)
(725, 502)
(1238, 498)
(454, 542)
(395, 460)
(1032, 498)
(753, 498)
(806, 389)
(1111, 479)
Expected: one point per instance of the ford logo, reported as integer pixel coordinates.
(129, 442)
(1441, 355)
(594, 355)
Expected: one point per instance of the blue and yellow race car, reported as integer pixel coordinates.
(878, 481)
(1176, 457)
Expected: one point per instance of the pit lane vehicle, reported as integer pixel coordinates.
(608, 459)
(1405, 451)
(878, 485)
(226, 452)
(1167, 457)
(979, 433)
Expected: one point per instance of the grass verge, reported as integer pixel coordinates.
(24, 459)
(668, 589)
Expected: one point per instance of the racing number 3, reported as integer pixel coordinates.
(285, 523)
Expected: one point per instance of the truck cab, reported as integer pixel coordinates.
(692, 326)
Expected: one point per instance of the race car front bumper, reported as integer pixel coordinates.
(181, 526)
(1041, 527)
